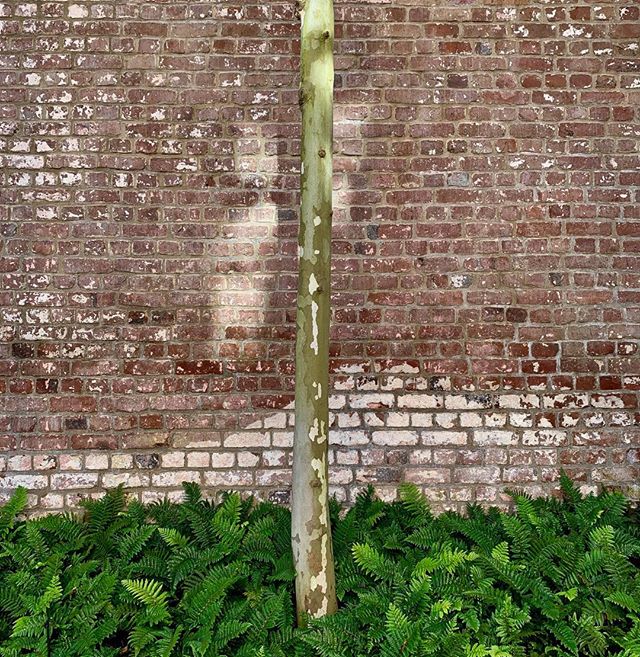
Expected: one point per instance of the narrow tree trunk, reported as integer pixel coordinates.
(310, 528)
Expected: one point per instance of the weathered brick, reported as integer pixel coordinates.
(391, 437)
(485, 289)
(443, 438)
(494, 437)
(248, 439)
(68, 480)
(477, 475)
(420, 401)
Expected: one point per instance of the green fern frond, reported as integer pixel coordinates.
(372, 562)
(148, 592)
(414, 502)
(11, 509)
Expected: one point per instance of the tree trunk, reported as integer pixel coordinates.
(310, 527)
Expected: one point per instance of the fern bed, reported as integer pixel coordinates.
(198, 579)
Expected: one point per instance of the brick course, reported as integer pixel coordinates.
(487, 229)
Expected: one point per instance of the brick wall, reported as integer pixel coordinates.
(486, 246)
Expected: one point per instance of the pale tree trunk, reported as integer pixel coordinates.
(310, 528)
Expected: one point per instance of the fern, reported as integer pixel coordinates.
(10, 511)
(373, 562)
(201, 579)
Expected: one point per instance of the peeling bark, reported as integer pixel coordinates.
(310, 527)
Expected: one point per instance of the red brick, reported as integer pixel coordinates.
(198, 367)
(485, 235)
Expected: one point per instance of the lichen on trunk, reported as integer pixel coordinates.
(310, 528)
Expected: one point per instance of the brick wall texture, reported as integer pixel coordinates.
(487, 246)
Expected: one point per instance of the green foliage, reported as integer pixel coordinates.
(555, 578)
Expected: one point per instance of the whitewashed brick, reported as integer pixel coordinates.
(275, 457)
(346, 383)
(70, 462)
(428, 475)
(20, 463)
(587, 438)
(390, 437)
(519, 475)
(388, 383)
(174, 478)
(445, 420)
(96, 461)
(24, 161)
(173, 460)
(222, 459)
(421, 383)
(349, 438)
(420, 456)
(445, 456)
(33, 482)
(336, 402)
(373, 419)
(470, 420)
(386, 493)
(421, 420)
(544, 437)
(495, 419)
(521, 420)
(68, 480)
(595, 420)
(340, 476)
(348, 420)
(276, 421)
(486, 493)
(397, 419)
(248, 439)
(377, 400)
(574, 400)
(434, 494)
(607, 401)
(444, 438)
(282, 439)
(228, 478)
(366, 384)
(78, 11)
(496, 456)
(347, 457)
(248, 459)
(523, 401)
(373, 456)
(198, 459)
(622, 419)
(121, 461)
(43, 462)
(495, 437)
(461, 493)
(129, 479)
(276, 478)
(477, 475)
(52, 501)
(420, 401)
(150, 496)
(468, 402)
